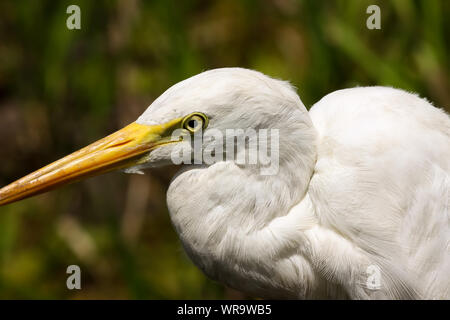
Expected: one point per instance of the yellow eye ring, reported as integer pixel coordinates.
(194, 122)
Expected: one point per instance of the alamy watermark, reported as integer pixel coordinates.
(249, 147)
(74, 20)
(74, 280)
(374, 20)
(373, 277)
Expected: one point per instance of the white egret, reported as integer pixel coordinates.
(359, 207)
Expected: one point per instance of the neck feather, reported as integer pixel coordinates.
(221, 209)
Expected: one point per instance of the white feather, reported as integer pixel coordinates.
(363, 180)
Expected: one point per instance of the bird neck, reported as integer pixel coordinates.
(247, 196)
(220, 208)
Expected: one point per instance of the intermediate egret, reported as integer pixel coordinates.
(358, 208)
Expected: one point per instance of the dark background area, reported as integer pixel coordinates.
(61, 89)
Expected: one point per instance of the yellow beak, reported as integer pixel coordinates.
(119, 150)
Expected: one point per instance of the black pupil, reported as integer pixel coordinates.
(192, 123)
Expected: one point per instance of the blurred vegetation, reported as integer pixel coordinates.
(61, 89)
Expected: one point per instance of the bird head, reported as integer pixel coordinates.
(210, 202)
(220, 99)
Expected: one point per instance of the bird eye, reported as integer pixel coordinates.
(195, 122)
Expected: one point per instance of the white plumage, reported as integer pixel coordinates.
(359, 207)
(363, 181)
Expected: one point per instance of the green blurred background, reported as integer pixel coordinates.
(61, 89)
